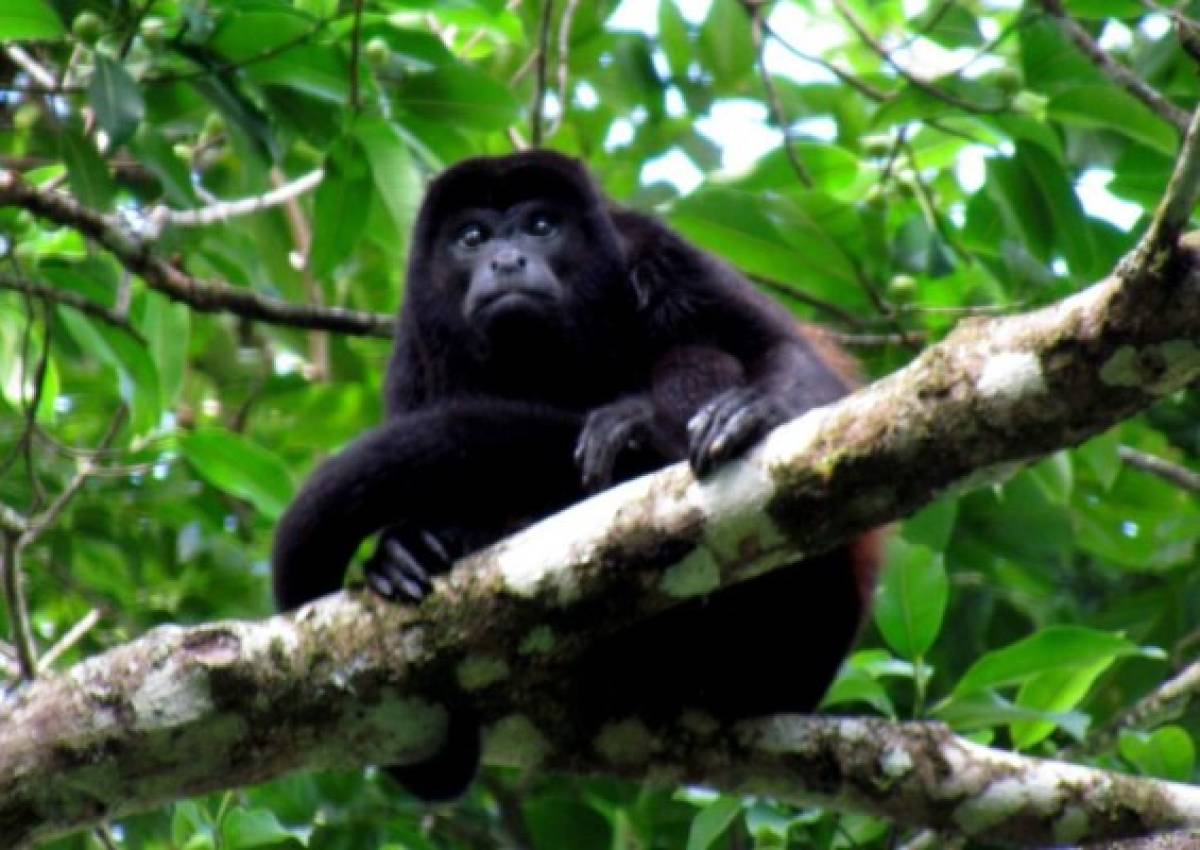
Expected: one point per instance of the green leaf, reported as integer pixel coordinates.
(29, 20)
(772, 237)
(932, 525)
(87, 172)
(1101, 457)
(1108, 108)
(1052, 648)
(673, 38)
(117, 100)
(243, 828)
(392, 168)
(136, 370)
(1168, 753)
(1053, 691)
(460, 96)
(726, 48)
(854, 685)
(912, 599)
(1066, 213)
(987, 709)
(341, 206)
(1102, 9)
(559, 821)
(232, 463)
(710, 824)
(166, 326)
(153, 150)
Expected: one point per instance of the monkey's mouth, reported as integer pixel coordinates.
(507, 302)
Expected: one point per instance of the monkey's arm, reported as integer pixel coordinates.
(450, 464)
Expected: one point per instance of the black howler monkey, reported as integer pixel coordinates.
(551, 343)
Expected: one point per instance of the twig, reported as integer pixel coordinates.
(318, 341)
(356, 56)
(1175, 209)
(926, 201)
(539, 89)
(1180, 476)
(787, 291)
(161, 215)
(75, 634)
(907, 339)
(18, 612)
(1115, 71)
(31, 67)
(564, 69)
(12, 521)
(1167, 700)
(104, 835)
(72, 300)
(216, 68)
(861, 86)
(208, 296)
(912, 79)
(927, 27)
(38, 525)
(773, 100)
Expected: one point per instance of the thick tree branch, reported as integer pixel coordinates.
(350, 679)
(209, 296)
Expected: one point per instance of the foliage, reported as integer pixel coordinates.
(1027, 614)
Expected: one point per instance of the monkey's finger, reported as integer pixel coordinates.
(405, 565)
(736, 433)
(703, 430)
(436, 548)
(380, 585)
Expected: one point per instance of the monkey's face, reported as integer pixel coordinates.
(508, 267)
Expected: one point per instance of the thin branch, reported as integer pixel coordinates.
(785, 290)
(215, 69)
(18, 611)
(12, 521)
(318, 341)
(1180, 198)
(38, 525)
(564, 66)
(1180, 476)
(75, 634)
(859, 85)
(30, 66)
(908, 339)
(70, 299)
(539, 89)
(161, 215)
(209, 296)
(1168, 700)
(773, 100)
(1115, 71)
(925, 200)
(912, 79)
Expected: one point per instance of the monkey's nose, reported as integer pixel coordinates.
(507, 261)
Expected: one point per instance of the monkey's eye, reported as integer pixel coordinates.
(471, 235)
(541, 224)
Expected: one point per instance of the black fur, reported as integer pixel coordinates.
(550, 344)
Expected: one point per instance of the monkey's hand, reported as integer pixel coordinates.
(730, 424)
(405, 559)
(608, 431)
